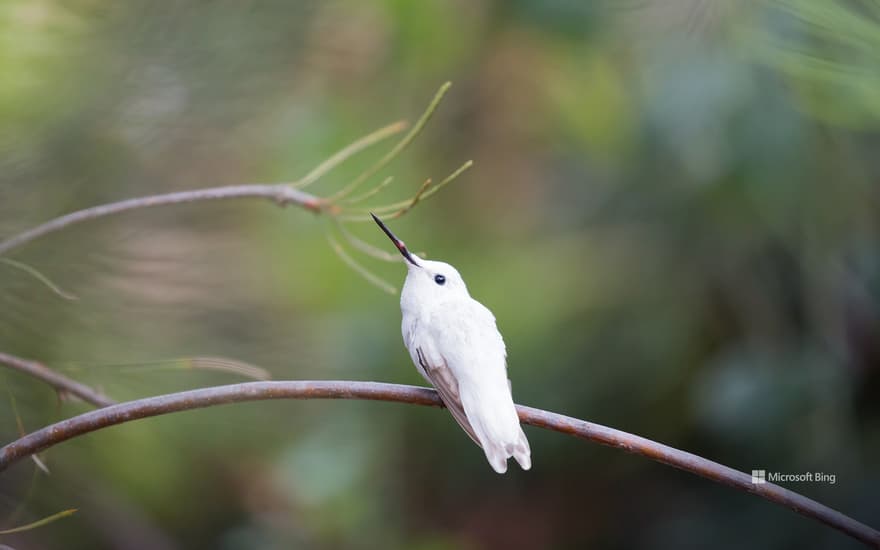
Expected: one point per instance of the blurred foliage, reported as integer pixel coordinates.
(830, 52)
(673, 214)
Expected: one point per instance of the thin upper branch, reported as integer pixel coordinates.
(56, 380)
(252, 391)
(283, 194)
(280, 194)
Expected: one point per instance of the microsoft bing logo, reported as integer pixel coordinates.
(760, 477)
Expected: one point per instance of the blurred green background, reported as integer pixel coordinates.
(673, 214)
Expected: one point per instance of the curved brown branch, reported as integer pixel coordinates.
(278, 193)
(252, 391)
(56, 380)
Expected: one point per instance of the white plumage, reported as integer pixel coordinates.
(456, 346)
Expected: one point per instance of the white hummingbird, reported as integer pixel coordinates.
(456, 346)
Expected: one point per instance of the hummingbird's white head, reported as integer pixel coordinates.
(432, 282)
(427, 282)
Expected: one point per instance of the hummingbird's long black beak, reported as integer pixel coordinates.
(397, 242)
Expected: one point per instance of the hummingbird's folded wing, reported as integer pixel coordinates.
(436, 371)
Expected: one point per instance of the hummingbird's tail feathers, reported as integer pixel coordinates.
(492, 415)
(497, 458)
(521, 451)
(498, 454)
(503, 441)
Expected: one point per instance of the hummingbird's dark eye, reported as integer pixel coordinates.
(440, 280)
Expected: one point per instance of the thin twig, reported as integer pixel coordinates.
(365, 247)
(232, 366)
(253, 391)
(220, 364)
(394, 209)
(366, 195)
(38, 523)
(56, 380)
(21, 432)
(446, 181)
(414, 201)
(280, 194)
(398, 148)
(223, 364)
(361, 270)
(33, 272)
(350, 150)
